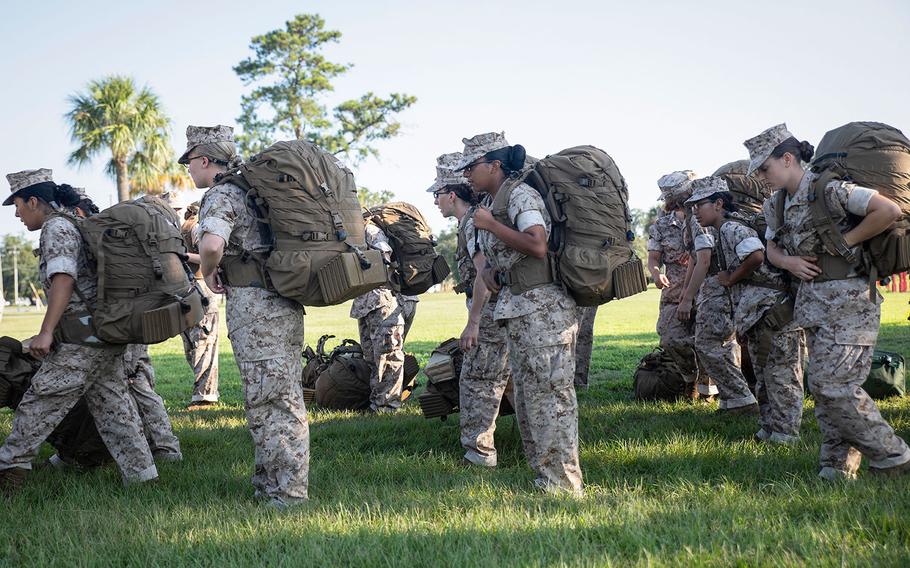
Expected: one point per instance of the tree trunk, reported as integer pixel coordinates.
(123, 180)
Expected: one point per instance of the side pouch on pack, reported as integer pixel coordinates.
(344, 277)
(629, 279)
(77, 328)
(887, 377)
(170, 320)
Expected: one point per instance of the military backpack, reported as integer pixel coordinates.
(590, 248)
(344, 381)
(416, 264)
(658, 378)
(873, 155)
(887, 377)
(443, 392)
(146, 291)
(76, 438)
(306, 203)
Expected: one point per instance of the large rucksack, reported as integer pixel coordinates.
(740, 167)
(658, 378)
(146, 291)
(873, 155)
(344, 382)
(76, 438)
(590, 241)
(443, 371)
(308, 209)
(416, 265)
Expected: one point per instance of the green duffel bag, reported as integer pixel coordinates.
(887, 377)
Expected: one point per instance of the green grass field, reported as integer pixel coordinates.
(667, 484)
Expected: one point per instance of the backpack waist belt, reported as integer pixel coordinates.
(834, 267)
(527, 274)
(243, 271)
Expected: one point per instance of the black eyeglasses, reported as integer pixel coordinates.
(440, 192)
(468, 169)
(188, 160)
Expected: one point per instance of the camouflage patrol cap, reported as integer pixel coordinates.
(445, 172)
(705, 187)
(761, 146)
(476, 146)
(199, 135)
(25, 179)
(675, 185)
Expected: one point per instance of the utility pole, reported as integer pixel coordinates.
(16, 277)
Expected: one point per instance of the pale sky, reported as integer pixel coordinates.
(659, 85)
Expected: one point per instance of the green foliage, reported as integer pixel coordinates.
(446, 246)
(114, 115)
(641, 221)
(28, 266)
(373, 198)
(292, 79)
(667, 484)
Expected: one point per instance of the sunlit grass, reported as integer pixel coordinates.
(667, 484)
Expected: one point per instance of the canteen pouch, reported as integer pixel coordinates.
(172, 319)
(629, 279)
(342, 278)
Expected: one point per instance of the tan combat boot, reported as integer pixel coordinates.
(11, 480)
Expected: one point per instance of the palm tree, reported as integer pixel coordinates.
(112, 114)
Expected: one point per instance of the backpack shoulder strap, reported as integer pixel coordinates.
(824, 224)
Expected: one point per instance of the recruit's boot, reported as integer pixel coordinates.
(200, 404)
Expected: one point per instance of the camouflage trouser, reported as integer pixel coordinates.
(155, 422)
(585, 344)
(408, 311)
(545, 403)
(779, 379)
(718, 351)
(67, 373)
(677, 338)
(485, 379)
(200, 344)
(850, 422)
(268, 355)
(382, 340)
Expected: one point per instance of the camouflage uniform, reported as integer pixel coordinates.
(140, 377)
(381, 322)
(715, 333)
(779, 370)
(585, 343)
(71, 371)
(485, 374)
(266, 331)
(676, 337)
(542, 327)
(408, 311)
(841, 325)
(200, 342)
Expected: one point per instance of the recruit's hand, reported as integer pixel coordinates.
(803, 267)
(489, 278)
(483, 219)
(724, 278)
(213, 281)
(684, 310)
(469, 335)
(661, 281)
(40, 345)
